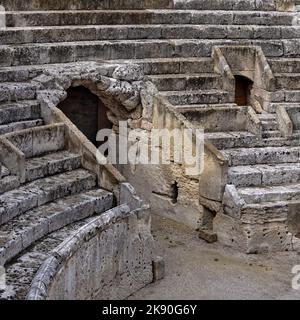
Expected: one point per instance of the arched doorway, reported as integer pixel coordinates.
(243, 88)
(86, 111)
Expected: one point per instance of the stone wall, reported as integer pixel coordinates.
(109, 258)
(251, 63)
(157, 183)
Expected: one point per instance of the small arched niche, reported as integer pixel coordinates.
(243, 89)
(86, 111)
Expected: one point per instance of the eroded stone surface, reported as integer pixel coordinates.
(168, 67)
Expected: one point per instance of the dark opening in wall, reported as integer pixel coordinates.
(243, 88)
(86, 111)
(174, 192)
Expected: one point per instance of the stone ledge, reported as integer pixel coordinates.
(114, 218)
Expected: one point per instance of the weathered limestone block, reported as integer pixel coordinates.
(291, 48)
(47, 81)
(158, 268)
(214, 177)
(285, 5)
(6, 56)
(130, 72)
(294, 218)
(284, 122)
(36, 141)
(252, 238)
(232, 202)
(12, 158)
(129, 196)
(208, 235)
(155, 184)
(222, 67)
(148, 92)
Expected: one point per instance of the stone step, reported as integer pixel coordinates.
(149, 66)
(23, 35)
(285, 65)
(264, 175)
(268, 117)
(261, 213)
(274, 105)
(219, 120)
(296, 134)
(265, 155)
(40, 140)
(14, 112)
(8, 183)
(194, 107)
(186, 82)
(196, 97)
(15, 91)
(289, 81)
(20, 125)
(152, 16)
(156, 66)
(20, 73)
(42, 191)
(227, 5)
(51, 164)
(4, 172)
(292, 141)
(23, 231)
(271, 134)
(20, 272)
(226, 140)
(63, 52)
(291, 96)
(32, 5)
(288, 192)
(271, 125)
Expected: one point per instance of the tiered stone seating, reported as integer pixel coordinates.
(172, 41)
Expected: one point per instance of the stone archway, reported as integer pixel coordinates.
(86, 111)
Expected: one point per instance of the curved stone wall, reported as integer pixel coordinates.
(108, 258)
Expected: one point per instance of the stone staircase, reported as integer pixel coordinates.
(55, 197)
(269, 125)
(56, 194)
(263, 181)
(19, 115)
(192, 88)
(172, 41)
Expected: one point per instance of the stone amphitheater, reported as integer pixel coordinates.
(72, 228)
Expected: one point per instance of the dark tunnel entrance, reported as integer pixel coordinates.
(86, 111)
(243, 88)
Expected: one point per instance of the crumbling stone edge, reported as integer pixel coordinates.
(140, 218)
